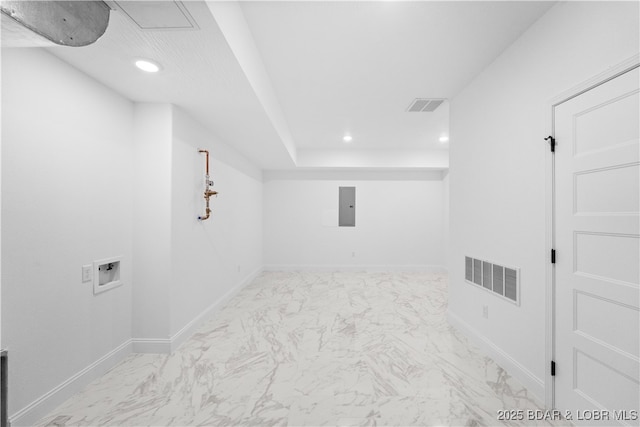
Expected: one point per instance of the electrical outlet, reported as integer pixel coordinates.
(485, 311)
(353, 254)
(239, 269)
(87, 273)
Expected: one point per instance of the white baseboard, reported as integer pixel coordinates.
(188, 330)
(169, 345)
(42, 406)
(46, 403)
(365, 267)
(532, 383)
(151, 345)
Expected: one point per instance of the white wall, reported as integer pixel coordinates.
(445, 215)
(66, 200)
(186, 268)
(86, 175)
(210, 258)
(498, 167)
(152, 221)
(399, 220)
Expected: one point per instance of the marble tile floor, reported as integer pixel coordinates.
(311, 349)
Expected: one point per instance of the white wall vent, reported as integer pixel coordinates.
(424, 105)
(499, 280)
(477, 272)
(468, 269)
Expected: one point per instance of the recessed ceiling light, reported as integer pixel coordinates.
(148, 66)
(347, 138)
(444, 138)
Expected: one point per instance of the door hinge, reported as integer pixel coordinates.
(553, 368)
(552, 143)
(553, 256)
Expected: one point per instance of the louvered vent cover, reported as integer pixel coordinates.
(424, 105)
(500, 280)
(486, 275)
(477, 272)
(511, 284)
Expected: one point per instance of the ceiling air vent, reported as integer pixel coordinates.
(158, 15)
(424, 105)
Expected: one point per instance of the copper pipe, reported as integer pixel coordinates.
(207, 195)
(208, 213)
(207, 192)
(207, 154)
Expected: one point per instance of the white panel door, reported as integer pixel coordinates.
(597, 204)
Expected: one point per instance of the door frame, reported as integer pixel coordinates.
(550, 273)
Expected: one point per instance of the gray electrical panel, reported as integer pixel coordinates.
(347, 207)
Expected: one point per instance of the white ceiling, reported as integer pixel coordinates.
(356, 66)
(200, 74)
(282, 82)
